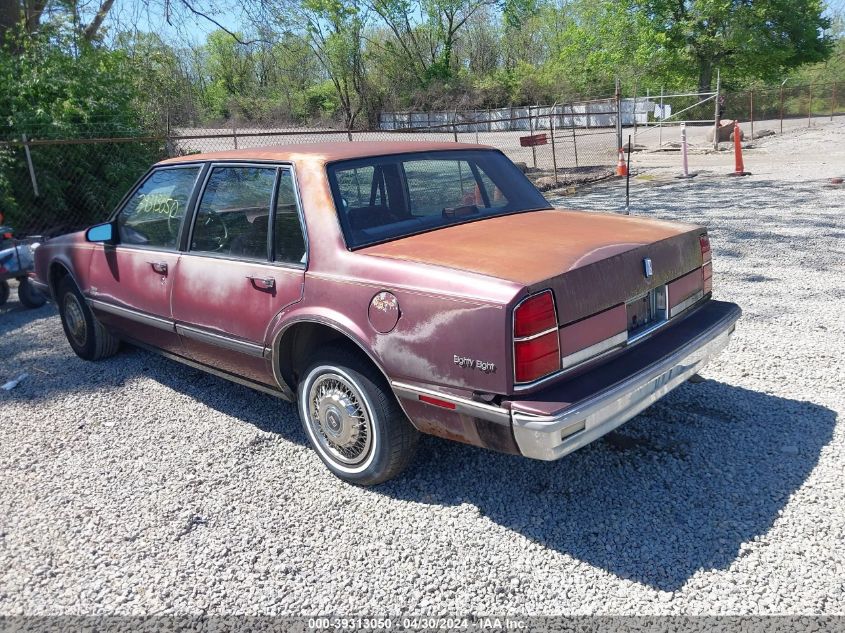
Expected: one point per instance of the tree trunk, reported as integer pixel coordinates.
(705, 75)
(10, 15)
(92, 29)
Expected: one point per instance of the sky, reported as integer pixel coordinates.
(149, 15)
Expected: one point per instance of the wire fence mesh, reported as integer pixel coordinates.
(52, 183)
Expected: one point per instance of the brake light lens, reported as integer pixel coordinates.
(704, 241)
(706, 264)
(534, 315)
(536, 346)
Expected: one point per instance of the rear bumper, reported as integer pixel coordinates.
(562, 419)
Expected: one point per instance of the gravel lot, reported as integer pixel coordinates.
(138, 486)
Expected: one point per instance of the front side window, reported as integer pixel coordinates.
(153, 215)
(384, 198)
(234, 213)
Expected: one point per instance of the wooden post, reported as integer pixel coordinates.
(833, 101)
(810, 107)
(30, 166)
(781, 108)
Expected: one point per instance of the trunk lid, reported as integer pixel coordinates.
(592, 261)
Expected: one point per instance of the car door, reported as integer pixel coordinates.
(245, 263)
(130, 281)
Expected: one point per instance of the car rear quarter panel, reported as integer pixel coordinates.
(443, 312)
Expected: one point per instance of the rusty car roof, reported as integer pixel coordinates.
(324, 152)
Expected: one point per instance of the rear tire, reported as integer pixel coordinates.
(353, 420)
(29, 296)
(88, 338)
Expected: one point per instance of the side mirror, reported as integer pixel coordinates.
(101, 233)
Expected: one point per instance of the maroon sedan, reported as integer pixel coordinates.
(392, 289)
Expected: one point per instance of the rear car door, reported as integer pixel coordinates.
(245, 263)
(130, 282)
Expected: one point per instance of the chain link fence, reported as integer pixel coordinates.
(51, 185)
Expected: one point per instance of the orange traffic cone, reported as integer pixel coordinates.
(621, 167)
(739, 165)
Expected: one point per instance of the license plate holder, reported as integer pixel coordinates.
(646, 312)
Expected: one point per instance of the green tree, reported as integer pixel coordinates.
(54, 85)
(762, 39)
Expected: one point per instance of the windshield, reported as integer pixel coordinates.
(383, 198)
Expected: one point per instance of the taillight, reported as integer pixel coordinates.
(706, 264)
(536, 346)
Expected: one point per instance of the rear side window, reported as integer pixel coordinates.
(234, 213)
(153, 215)
(382, 198)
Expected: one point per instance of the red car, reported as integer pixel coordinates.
(393, 289)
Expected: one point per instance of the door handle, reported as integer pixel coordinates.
(159, 267)
(264, 283)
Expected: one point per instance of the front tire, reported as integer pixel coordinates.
(353, 420)
(88, 338)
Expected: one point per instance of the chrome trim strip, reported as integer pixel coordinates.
(212, 370)
(133, 315)
(542, 437)
(472, 408)
(538, 335)
(686, 303)
(220, 340)
(576, 358)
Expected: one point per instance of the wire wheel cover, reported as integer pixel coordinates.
(339, 419)
(75, 320)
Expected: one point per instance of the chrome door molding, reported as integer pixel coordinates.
(132, 315)
(221, 340)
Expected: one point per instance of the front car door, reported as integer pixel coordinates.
(245, 263)
(130, 282)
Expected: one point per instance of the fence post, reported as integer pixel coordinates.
(716, 110)
(574, 138)
(619, 114)
(531, 131)
(810, 107)
(660, 124)
(751, 105)
(235, 137)
(31, 167)
(636, 90)
(781, 106)
(833, 101)
(454, 126)
(552, 134)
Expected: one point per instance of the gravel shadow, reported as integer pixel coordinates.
(676, 490)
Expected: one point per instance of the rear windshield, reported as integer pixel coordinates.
(383, 198)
